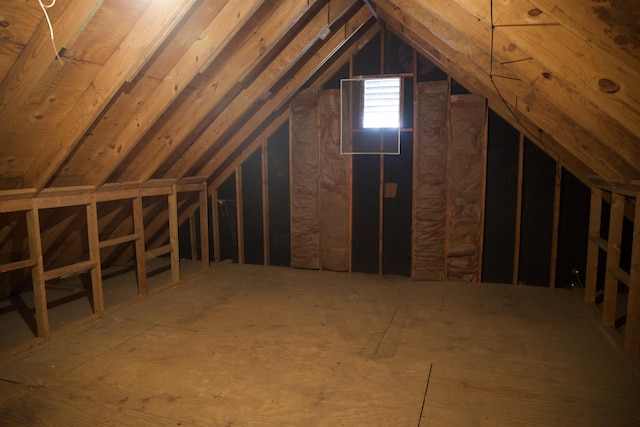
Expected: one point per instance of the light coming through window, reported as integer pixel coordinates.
(381, 103)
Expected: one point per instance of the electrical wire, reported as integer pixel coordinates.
(491, 78)
(492, 75)
(46, 15)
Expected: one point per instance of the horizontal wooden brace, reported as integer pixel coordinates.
(4, 268)
(621, 275)
(69, 269)
(16, 205)
(159, 251)
(118, 240)
(118, 195)
(602, 243)
(183, 188)
(21, 193)
(156, 191)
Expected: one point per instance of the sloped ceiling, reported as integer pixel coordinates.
(171, 89)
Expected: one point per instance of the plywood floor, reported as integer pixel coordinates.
(268, 346)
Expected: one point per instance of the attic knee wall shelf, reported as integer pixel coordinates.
(614, 274)
(51, 198)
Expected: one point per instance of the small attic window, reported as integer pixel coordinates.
(371, 111)
(381, 104)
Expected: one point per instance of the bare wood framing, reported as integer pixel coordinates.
(17, 265)
(239, 215)
(159, 251)
(516, 251)
(204, 228)
(173, 236)
(265, 203)
(556, 225)
(36, 57)
(138, 228)
(215, 225)
(632, 331)
(593, 246)
(483, 190)
(613, 259)
(94, 256)
(37, 272)
(381, 216)
(142, 41)
(204, 49)
(193, 236)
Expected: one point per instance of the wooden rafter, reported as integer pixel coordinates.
(334, 43)
(201, 53)
(248, 53)
(67, 19)
(149, 32)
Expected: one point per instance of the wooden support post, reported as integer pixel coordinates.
(173, 235)
(141, 259)
(37, 272)
(414, 167)
(447, 207)
(381, 189)
(350, 185)
(193, 236)
(94, 256)
(516, 251)
(204, 228)
(613, 259)
(215, 225)
(593, 249)
(239, 215)
(483, 190)
(632, 331)
(265, 203)
(381, 219)
(556, 225)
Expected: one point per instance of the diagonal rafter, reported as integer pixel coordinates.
(67, 19)
(202, 52)
(277, 100)
(146, 36)
(251, 51)
(462, 55)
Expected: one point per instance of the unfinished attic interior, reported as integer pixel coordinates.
(203, 221)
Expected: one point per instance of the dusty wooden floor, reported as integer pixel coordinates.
(256, 346)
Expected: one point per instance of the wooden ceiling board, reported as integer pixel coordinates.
(49, 103)
(338, 39)
(613, 25)
(417, 37)
(577, 61)
(9, 53)
(153, 139)
(256, 89)
(66, 20)
(105, 31)
(244, 150)
(18, 20)
(246, 53)
(551, 117)
(149, 32)
(212, 40)
(101, 136)
(185, 35)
